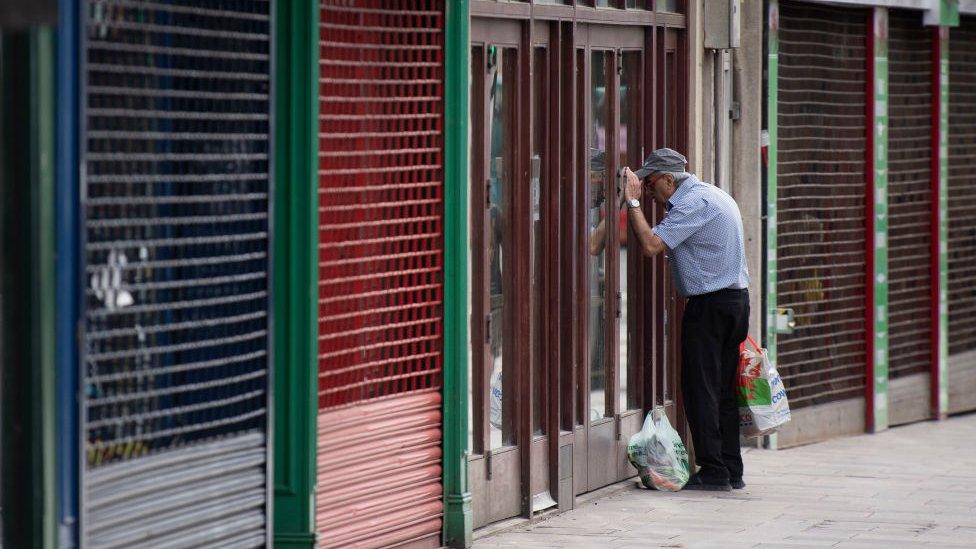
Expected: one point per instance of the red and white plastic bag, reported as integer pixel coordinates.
(763, 407)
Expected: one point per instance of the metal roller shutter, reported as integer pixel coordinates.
(820, 206)
(381, 272)
(962, 187)
(909, 194)
(175, 252)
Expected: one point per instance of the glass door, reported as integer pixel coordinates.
(631, 266)
(496, 338)
(568, 319)
(542, 273)
(601, 210)
(511, 242)
(620, 360)
(669, 131)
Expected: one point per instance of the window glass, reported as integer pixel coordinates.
(667, 5)
(601, 196)
(500, 77)
(628, 140)
(537, 173)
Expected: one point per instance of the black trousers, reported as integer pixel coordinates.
(714, 325)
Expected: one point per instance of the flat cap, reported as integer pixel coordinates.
(598, 160)
(662, 160)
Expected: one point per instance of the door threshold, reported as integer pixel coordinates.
(515, 523)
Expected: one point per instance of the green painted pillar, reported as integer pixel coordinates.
(27, 404)
(877, 224)
(772, 91)
(457, 497)
(42, 43)
(295, 264)
(949, 12)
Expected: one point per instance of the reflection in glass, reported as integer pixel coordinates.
(603, 3)
(582, 89)
(539, 400)
(631, 4)
(501, 70)
(597, 212)
(667, 5)
(629, 145)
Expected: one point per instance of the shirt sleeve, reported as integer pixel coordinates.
(682, 221)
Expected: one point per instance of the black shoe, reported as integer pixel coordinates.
(738, 484)
(695, 483)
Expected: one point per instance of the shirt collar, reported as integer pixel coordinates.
(682, 190)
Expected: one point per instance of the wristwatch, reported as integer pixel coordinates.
(633, 203)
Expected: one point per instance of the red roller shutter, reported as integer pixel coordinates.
(381, 273)
(821, 201)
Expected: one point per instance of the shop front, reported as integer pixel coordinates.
(962, 216)
(570, 342)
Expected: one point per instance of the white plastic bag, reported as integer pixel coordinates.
(658, 453)
(763, 407)
(495, 400)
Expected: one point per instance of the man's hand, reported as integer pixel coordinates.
(651, 244)
(632, 188)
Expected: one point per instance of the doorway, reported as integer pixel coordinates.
(570, 345)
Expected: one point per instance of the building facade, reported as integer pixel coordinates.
(861, 267)
(336, 272)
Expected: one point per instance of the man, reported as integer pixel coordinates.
(703, 232)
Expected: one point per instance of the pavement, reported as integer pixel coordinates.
(910, 486)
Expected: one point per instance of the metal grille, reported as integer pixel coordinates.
(381, 184)
(909, 194)
(820, 206)
(380, 209)
(962, 187)
(175, 200)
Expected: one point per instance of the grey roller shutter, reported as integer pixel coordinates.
(909, 194)
(821, 201)
(175, 198)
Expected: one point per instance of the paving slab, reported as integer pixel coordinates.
(911, 486)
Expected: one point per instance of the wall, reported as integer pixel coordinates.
(744, 150)
(746, 178)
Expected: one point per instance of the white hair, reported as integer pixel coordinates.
(678, 177)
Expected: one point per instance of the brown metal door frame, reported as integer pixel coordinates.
(539, 473)
(639, 354)
(563, 187)
(599, 434)
(501, 466)
(533, 449)
(581, 298)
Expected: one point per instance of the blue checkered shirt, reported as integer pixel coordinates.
(703, 231)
